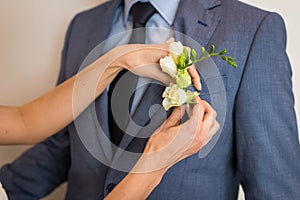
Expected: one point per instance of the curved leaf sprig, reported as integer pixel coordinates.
(184, 60)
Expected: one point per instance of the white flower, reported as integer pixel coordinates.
(168, 66)
(175, 49)
(173, 96)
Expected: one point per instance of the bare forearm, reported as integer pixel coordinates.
(136, 186)
(10, 123)
(44, 116)
(54, 110)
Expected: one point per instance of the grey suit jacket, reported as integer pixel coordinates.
(258, 147)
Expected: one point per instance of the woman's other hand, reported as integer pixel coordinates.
(143, 60)
(173, 141)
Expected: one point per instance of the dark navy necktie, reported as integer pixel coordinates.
(125, 82)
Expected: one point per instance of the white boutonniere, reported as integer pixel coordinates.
(176, 65)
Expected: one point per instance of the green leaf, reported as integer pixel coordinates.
(232, 62)
(212, 49)
(224, 58)
(181, 61)
(190, 64)
(223, 52)
(194, 55)
(185, 52)
(205, 55)
(186, 63)
(203, 51)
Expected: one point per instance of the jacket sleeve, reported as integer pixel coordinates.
(45, 166)
(268, 151)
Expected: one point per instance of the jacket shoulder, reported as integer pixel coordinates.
(95, 11)
(242, 16)
(240, 10)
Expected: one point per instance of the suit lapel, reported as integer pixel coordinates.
(98, 123)
(141, 118)
(100, 34)
(125, 160)
(199, 22)
(195, 19)
(102, 23)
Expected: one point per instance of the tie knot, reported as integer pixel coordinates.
(141, 13)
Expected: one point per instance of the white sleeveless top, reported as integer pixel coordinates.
(3, 195)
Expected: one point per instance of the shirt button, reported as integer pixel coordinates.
(110, 187)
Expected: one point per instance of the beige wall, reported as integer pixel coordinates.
(31, 38)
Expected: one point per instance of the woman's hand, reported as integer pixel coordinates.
(143, 59)
(173, 141)
(42, 117)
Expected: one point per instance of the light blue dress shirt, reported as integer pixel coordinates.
(158, 30)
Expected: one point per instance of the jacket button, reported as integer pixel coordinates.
(110, 187)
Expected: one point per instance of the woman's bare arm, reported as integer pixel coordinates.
(44, 116)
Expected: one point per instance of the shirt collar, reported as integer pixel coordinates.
(167, 9)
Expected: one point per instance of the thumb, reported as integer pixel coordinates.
(167, 43)
(170, 40)
(175, 117)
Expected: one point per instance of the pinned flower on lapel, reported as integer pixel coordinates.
(168, 66)
(176, 96)
(173, 96)
(176, 65)
(175, 49)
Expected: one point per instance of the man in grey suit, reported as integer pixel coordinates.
(258, 147)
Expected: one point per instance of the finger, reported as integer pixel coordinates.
(195, 121)
(166, 44)
(198, 110)
(209, 122)
(170, 40)
(206, 130)
(203, 129)
(175, 117)
(213, 130)
(212, 114)
(195, 77)
(152, 71)
(141, 55)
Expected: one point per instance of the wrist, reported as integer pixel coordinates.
(118, 57)
(150, 179)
